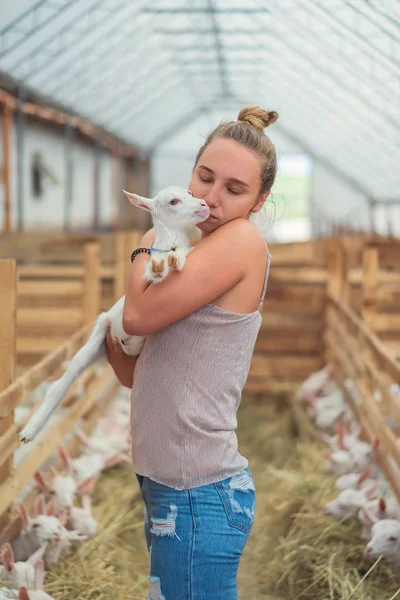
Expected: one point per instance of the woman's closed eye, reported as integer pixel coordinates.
(204, 180)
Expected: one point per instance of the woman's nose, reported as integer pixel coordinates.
(212, 198)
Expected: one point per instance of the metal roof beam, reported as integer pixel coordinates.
(329, 49)
(128, 63)
(65, 30)
(33, 12)
(370, 49)
(297, 51)
(179, 125)
(85, 54)
(194, 10)
(290, 78)
(374, 22)
(220, 53)
(125, 99)
(210, 31)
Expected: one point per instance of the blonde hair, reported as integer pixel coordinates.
(248, 131)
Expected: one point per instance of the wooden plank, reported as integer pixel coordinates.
(381, 352)
(295, 299)
(43, 271)
(45, 289)
(26, 468)
(274, 321)
(272, 386)
(290, 366)
(307, 343)
(14, 393)
(302, 275)
(38, 345)
(91, 294)
(26, 317)
(295, 253)
(385, 323)
(370, 284)
(9, 441)
(8, 300)
(119, 268)
(388, 296)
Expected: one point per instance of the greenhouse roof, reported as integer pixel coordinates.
(140, 69)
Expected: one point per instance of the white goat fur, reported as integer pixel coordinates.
(171, 221)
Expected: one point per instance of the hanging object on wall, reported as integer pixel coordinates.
(39, 170)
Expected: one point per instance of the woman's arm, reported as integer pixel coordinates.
(214, 267)
(122, 364)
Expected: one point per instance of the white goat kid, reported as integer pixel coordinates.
(174, 211)
(385, 540)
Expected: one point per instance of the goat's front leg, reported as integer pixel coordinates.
(157, 267)
(177, 258)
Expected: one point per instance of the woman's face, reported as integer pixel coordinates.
(227, 177)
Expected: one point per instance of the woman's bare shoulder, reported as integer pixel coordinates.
(240, 233)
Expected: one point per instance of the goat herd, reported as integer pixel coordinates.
(58, 527)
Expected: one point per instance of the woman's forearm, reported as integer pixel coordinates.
(124, 368)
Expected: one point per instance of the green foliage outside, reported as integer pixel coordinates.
(291, 194)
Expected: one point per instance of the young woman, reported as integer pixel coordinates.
(201, 326)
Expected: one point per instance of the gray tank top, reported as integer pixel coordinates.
(187, 389)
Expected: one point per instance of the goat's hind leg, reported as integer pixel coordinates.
(86, 356)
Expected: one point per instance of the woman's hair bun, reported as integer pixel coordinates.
(258, 117)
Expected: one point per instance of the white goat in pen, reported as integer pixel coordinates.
(174, 210)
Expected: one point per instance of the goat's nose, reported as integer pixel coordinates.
(203, 204)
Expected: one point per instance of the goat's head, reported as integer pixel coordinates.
(174, 206)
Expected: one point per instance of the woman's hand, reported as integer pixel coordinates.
(122, 364)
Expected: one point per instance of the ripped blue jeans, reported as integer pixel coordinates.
(196, 537)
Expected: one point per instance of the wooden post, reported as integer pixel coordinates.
(91, 292)
(370, 284)
(8, 302)
(132, 241)
(119, 265)
(344, 273)
(6, 166)
(334, 269)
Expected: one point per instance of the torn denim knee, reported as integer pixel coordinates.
(166, 527)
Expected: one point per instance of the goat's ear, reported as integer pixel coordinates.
(139, 201)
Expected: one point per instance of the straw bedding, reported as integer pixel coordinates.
(294, 552)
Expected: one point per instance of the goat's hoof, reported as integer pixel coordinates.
(157, 266)
(27, 434)
(173, 261)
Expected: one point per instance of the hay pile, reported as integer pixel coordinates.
(294, 552)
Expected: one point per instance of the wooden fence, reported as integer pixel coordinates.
(55, 300)
(358, 354)
(290, 344)
(99, 389)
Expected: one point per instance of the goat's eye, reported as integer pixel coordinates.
(52, 493)
(174, 201)
(392, 538)
(36, 525)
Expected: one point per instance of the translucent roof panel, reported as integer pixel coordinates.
(142, 70)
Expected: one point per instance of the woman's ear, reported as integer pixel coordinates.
(261, 199)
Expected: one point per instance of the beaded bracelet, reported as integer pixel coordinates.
(139, 251)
